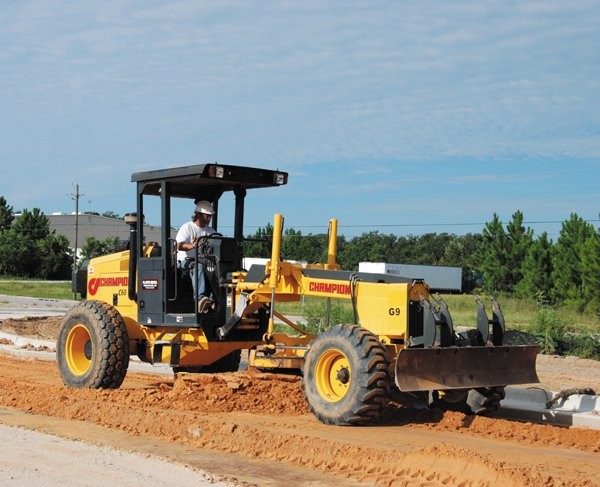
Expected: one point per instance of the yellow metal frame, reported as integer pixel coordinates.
(382, 308)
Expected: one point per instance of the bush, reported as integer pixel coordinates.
(316, 315)
(549, 330)
(555, 336)
(583, 345)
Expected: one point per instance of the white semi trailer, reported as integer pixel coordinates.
(439, 278)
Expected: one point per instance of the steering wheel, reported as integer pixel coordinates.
(202, 243)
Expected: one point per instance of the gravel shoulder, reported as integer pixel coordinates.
(36, 458)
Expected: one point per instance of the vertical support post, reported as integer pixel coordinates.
(332, 245)
(132, 220)
(238, 229)
(274, 268)
(275, 251)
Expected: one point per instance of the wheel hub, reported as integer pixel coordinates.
(343, 375)
(333, 375)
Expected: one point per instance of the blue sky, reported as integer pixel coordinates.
(402, 117)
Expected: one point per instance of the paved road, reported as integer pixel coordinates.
(21, 306)
(33, 458)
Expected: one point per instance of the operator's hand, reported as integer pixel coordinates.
(188, 245)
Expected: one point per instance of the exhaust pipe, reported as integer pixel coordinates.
(131, 220)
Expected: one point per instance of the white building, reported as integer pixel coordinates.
(100, 227)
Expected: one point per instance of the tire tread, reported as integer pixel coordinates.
(109, 369)
(365, 402)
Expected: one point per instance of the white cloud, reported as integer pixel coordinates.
(290, 84)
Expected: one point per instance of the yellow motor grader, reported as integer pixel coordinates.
(140, 301)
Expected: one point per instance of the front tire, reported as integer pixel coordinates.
(93, 347)
(346, 376)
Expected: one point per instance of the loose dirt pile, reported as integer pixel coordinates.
(264, 417)
(41, 328)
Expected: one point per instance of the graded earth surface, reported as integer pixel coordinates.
(249, 428)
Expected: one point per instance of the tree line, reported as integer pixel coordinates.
(501, 259)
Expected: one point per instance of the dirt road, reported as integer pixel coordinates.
(256, 429)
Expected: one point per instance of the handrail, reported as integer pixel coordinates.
(173, 253)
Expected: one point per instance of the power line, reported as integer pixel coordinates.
(445, 224)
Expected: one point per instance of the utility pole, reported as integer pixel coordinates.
(76, 198)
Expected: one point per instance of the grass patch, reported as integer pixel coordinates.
(36, 289)
(519, 314)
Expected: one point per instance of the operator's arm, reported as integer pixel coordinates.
(185, 245)
(185, 239)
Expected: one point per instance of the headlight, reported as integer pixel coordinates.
(216, 172)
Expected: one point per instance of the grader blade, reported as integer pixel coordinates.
(425, 369)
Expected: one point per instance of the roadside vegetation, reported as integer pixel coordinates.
(36, 289)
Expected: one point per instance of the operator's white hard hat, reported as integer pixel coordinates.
(204, 207)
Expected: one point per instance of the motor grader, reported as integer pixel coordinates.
(139, 301)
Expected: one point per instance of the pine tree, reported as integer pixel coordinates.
(567, 267)
(519, 241)
(34, 224)
(492, 256)
(536, 281)
(6, 214)
(590, 278)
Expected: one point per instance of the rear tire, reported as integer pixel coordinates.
(93, 347)
(346, 376)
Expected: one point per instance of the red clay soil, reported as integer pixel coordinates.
(264, 417)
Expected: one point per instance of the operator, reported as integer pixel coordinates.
(188, 238)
